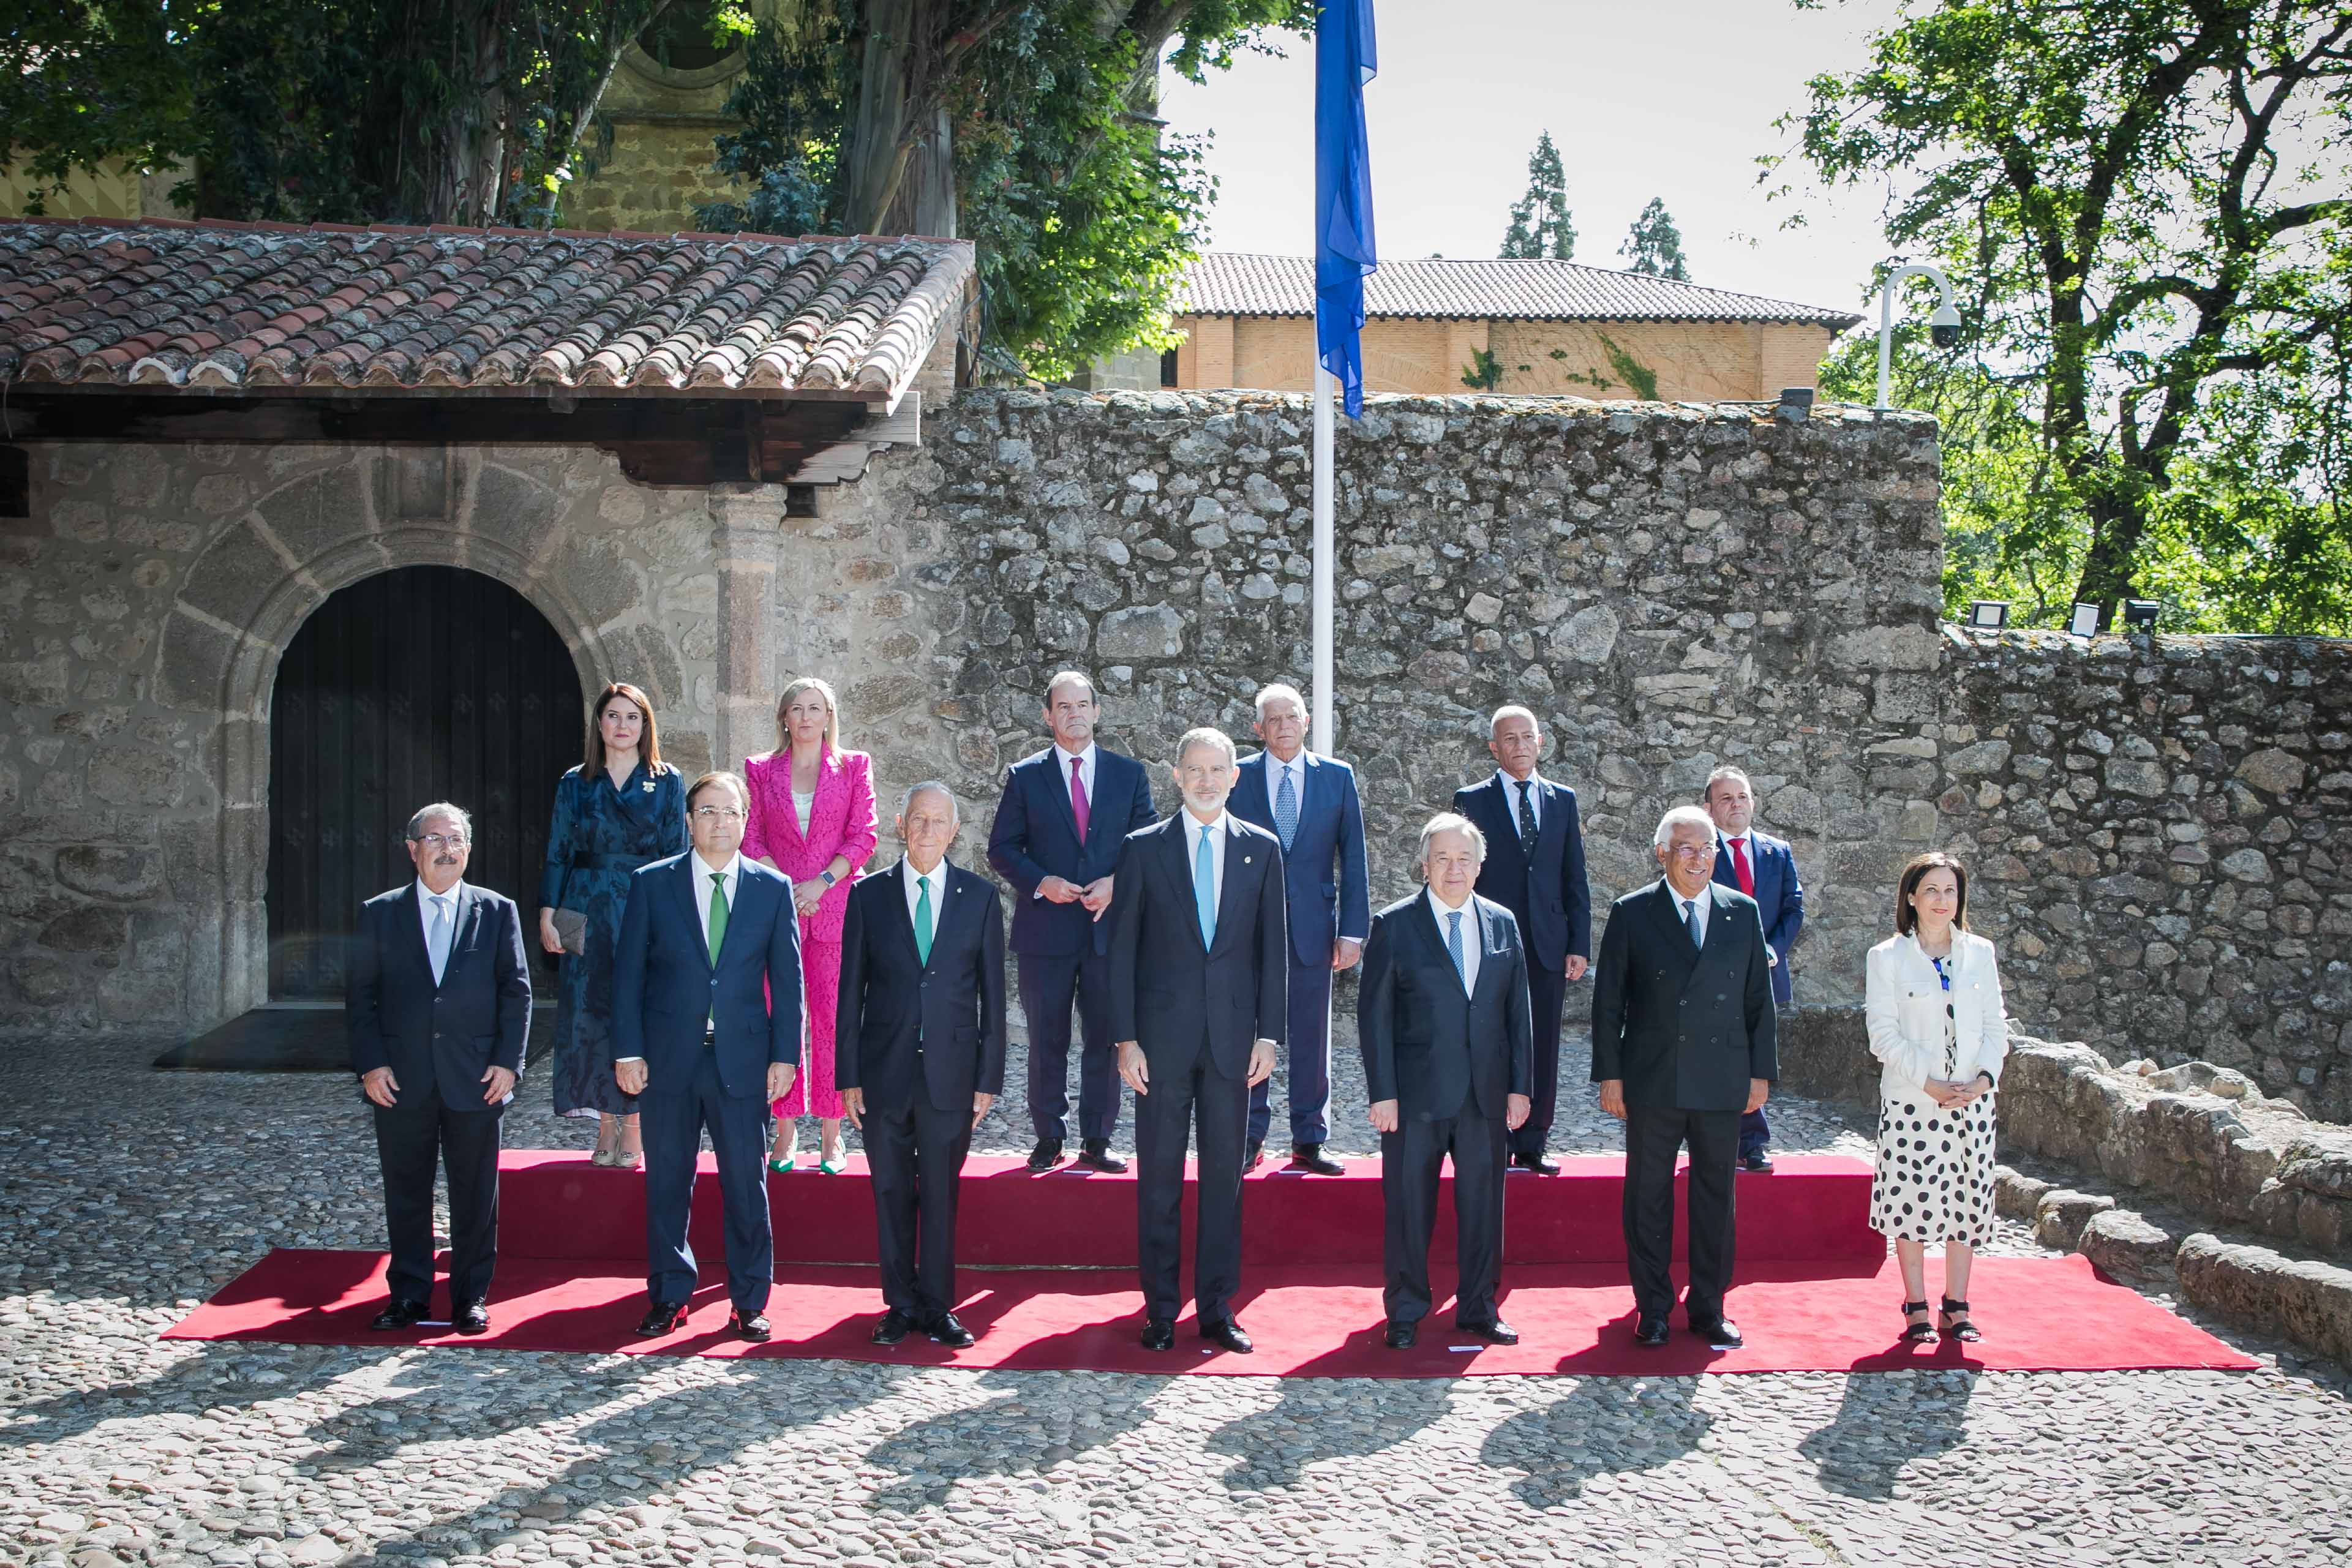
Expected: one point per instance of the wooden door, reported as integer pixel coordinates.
(424, 684)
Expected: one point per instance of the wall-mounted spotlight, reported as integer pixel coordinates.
(1988, 614)
(2141, 611)
(2084, 622)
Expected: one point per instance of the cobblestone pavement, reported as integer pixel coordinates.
(129, 1194)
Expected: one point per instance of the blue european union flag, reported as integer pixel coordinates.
(1344, 251)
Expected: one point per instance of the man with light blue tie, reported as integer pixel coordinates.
(1309, 802)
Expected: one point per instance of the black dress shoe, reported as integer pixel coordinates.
(754, 1326)
(895, 1326)
(1228, 1334)
(1159, 1333)
(661, 1318)
(1759, 1161)
(1400, 1336)
(1539, 1162)
(1493, 1330)
(1255, 1154)
(1046, 1156)
(400, 1315)
(470, 1317)
(949, 1330)
(1650, 1333)
(1720, 1335)
(1095, 1155)
(1310, 1158)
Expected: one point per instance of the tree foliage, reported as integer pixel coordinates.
(1654, 245)
(2148, 198)
(457, 111)
(1541, 225)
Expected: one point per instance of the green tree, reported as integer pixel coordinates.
(1025, 125)
(1654, 245)
(1541, 225)
(457, 111)
(2148, 198)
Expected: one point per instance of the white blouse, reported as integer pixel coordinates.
(802, 805)
(1904, 1001)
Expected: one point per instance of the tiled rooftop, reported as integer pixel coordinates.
(1236, 283)
(228, 305)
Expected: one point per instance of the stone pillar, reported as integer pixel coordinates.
(750, 519)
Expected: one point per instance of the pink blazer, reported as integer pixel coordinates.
(841, 822)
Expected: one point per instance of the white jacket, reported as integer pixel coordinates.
(1903, 1002)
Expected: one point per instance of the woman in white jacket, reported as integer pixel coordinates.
(1938, 1029)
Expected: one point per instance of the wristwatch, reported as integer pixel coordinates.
(826, 876)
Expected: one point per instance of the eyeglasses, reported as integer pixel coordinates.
(441, 841)
(718, 814)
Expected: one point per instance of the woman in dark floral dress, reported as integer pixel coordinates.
(621, 809)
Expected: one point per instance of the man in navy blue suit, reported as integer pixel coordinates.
(1059, 827)
(707, 1029)
(437, 1004)
(1762, 867)
(1535, 869)
(1309, 802)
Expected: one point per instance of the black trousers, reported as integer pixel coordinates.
(409, 1139)
(672, 1120)
(1165, 1117)
(1410, 1158)
(1547, 998)
(1654, 1135)
(1755, 1132)
(1049, 983)
(1309, 1049)
(916, 1155)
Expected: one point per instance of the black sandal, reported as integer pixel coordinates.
(1917, 1333)
(1956, 1322)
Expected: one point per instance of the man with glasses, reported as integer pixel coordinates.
(1684, 1040)
(437, 1004)
(707, 1029)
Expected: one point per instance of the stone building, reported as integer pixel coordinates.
(1550, 327)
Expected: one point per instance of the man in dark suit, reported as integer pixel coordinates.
(1056, 838)
(707, 1029)
(1309, 803)
(1443, 1018)
(437, 1004)
(1198, 963)
(1535, 869)
(919, 1053)
(1763, 868)
(1684, 1040)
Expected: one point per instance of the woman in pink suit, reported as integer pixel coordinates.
(813, 819)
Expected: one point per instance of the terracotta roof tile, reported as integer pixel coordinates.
(1236, 283)
(218, 306)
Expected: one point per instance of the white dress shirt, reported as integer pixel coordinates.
(937, 877)
(1297, 767)
(732, 878)
(424, 897)
(1471, 941)
(1086, 761)
(1702, 904)
(1511, 797)
(1215, 831)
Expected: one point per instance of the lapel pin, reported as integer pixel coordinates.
(1245, 860)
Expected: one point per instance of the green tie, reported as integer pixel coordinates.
(923, 918)
(717, 930)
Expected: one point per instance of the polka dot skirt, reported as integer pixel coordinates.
(1934, 1180)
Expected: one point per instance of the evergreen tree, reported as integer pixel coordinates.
(1541, 225)
(1654, 245)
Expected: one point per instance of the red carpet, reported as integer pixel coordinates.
(1049, 1281)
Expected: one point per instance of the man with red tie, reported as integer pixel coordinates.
(1762, 867)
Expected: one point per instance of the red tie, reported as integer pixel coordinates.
(1739, 867)
(1078, 796)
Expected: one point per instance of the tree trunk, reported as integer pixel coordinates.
(881, 135)
(926, 201)
(470, 147)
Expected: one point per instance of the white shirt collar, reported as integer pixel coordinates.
(1297, 765)
(731, 870)
(1703, 901)
(425, 895)
(1437, 905)
(1194, 827)
(1511, 787)
(1086, 760)
(936, 876)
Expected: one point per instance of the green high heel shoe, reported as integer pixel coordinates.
(792, 1152)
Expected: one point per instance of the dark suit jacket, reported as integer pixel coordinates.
(1780, 899)
(1168, 993)
(665, 983)
(1035, 836)
(1426, 1045)
(891, 1000)
(1323, 870)
(438, 1040)
(1548, 893)
(1684, 1026)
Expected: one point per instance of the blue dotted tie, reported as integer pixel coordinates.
(1285, 811)
(1453, 947)
(1204, 891)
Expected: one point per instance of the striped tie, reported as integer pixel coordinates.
(1453, 947)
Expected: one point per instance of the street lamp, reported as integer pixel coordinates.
(1943, 325)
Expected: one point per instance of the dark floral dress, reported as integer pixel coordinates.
(599, 836)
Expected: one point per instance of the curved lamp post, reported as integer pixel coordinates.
(1943, 325)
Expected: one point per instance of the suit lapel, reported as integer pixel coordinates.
(464, 930)
(1177, 862)
(688, 883)
(1426, 917)
(1509, 818)
(410, 915)
(1058, 786)
(1669, 916)
(898, 916)
(1242, 852)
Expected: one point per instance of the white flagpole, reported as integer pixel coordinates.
(1325, 739)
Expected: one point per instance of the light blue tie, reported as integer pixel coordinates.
(1204, 891)
(1285, 811)
(437, 944)
(1453, 947)
(1690, 922)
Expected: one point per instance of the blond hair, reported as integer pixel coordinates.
(832, 712)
